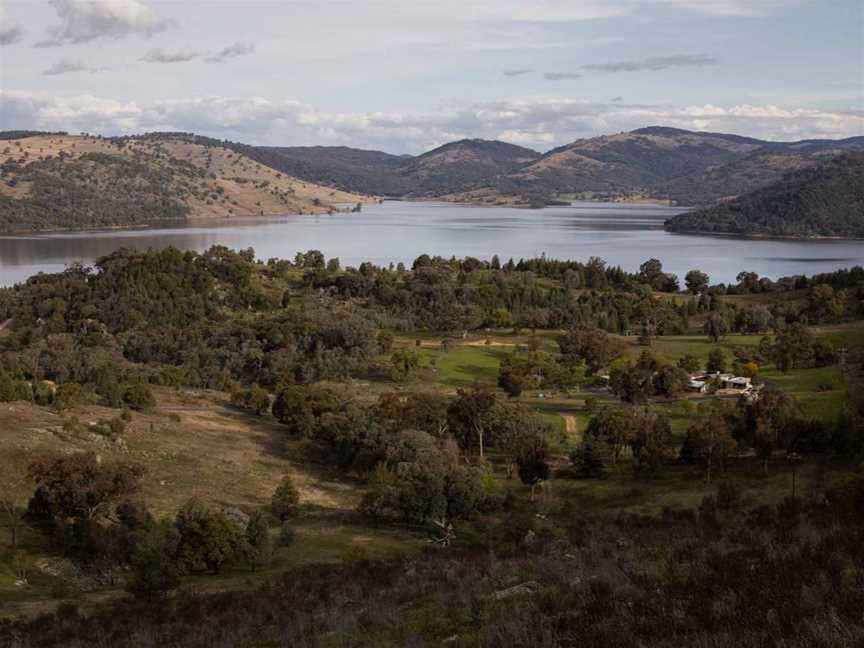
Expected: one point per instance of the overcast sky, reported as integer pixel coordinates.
(404, 76)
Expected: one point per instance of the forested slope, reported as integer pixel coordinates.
(825, 201)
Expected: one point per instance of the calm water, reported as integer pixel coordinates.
(624, 235)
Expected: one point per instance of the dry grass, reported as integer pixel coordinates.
(190, 446)
(246, 187)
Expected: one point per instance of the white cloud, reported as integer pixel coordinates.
(517, 72)
(232, 51)
(159, 55)
(66, 66)
(540, 122)
(82, 21)
(560, 76)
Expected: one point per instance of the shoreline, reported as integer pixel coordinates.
(189, 220)
(763, 237)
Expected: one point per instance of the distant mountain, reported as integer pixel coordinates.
(681, 166)
(456, 166)
(821, 200)
(462, 165)
(59, 181)
(759, 169)
(370, 172)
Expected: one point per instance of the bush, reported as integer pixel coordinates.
(70, 395)
(286, 499)
(139, 397)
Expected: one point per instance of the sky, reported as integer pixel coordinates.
(406, 76)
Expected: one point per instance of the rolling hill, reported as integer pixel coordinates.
(825, 200)
(656, 163)
(60, 181)
(683, 167)
(456, 166)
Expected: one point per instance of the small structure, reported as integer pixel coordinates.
(738, 383)
(698, 386)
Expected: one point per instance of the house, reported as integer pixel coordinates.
(738, 383)
(698, 386)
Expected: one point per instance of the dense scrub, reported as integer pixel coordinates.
(95, 190)
(722, 575)
(826, 200)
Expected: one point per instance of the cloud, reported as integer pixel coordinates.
(232, 51)
(10, 33)
(538, 122)
(83, 21)
(65, 66)
(736, 7)
(654, 63)
(169, 56)
(560, 76)
(517, 72)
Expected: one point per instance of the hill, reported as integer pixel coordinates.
(826, 200)
(657, 163)
(358, 170)
(461, 165)
(59, 181)
(456, 166)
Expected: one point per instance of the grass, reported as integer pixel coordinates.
(196, 444)
(682, 486)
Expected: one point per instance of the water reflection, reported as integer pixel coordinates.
(624, 235)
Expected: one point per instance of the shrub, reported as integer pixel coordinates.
(139, 397)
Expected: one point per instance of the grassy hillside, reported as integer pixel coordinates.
(825, 200)
(65, 181)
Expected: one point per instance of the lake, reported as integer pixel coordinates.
(622, 234)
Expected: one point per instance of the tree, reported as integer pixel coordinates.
(710, 442)
(632, 383)
(614, 428)
(651, 272)
(824, 304)
(405, 361)
(650, 312)
(207, 538)
(258, 539)
(463, 318)
(689, 363)
(153, 568)
(533, 466)
(10, 486)
(79, 487)
(139, 397)
(587, 459)
(286, 499)
(651, 438)
(70, 395)
(470, 416)
(301, 407)
(716, 326)
(716, 361)
(670, 381)
(696, 281)
(7, 387)
(255, 399)
(592, 346)
(520, 432)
